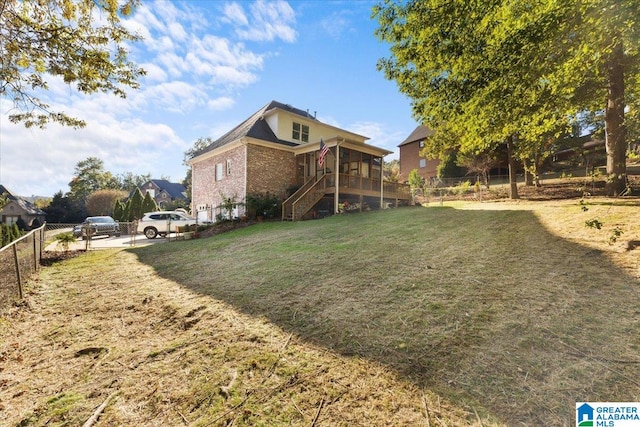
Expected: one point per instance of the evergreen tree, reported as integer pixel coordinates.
(126, 208)
(15, 231)
(118, 211)
(135, 205)
(149, 204)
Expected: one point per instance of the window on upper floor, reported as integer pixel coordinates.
(423, 163)
(421, 144)
(300, 132)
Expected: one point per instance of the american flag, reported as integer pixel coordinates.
(323, 152)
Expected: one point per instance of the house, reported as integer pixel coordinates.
(275, 151)
(410, 158)
(18, 208)
(164, 192)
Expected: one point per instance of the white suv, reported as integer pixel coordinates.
(162, 223)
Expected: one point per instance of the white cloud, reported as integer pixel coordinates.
(175, 96)
(172, 63)
(177, 32)
(192, 68)
(380, 136)
(223, 62)
(155, 73)
(222, 103)
(234, 14)
(41, 162)
(337, 24)
(269, 20)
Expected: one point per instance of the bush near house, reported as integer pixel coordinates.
(266, 204)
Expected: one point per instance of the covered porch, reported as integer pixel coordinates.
(350, 178)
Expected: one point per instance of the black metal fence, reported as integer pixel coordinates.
(18, 261)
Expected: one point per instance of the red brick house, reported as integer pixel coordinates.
(410, 155)
(275, 151)
(164, 192)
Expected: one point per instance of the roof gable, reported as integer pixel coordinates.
(257, 127)
(174, 189)
(5, 190)
(25, 205)
(420, 133)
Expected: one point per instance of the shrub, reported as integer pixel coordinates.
(64, 240)
(462, 188)
(22, 226)
(263, 204)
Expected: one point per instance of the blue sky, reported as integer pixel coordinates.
(210, 65)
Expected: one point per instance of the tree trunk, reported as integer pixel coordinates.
(528, 176)
(513, 185)
(615, 131)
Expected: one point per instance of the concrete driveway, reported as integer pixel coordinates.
(105, 242)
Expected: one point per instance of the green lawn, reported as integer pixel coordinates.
(487, 306)
(485, 314)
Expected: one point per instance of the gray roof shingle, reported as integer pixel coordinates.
(257, 127)
(418, 134)
(25, 205)
(175, 190)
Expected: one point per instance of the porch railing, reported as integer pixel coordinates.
(312, 191)
(287, 205)
(303, 200)
(391, 190)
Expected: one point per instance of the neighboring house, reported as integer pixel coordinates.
(17, 208)
(410, 158)
(164, 192)
(589, 147)
(276, 151)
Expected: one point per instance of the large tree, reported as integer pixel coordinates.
(90, 176)
(512, 71)
(102, 202)
(81, 42)
(129, 181)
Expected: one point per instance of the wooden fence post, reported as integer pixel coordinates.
(35, 253)
(15, 257)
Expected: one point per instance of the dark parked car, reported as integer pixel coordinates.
(97, 226)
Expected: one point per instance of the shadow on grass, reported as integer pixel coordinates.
(486, 308)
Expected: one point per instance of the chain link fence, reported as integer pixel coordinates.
(19, 260)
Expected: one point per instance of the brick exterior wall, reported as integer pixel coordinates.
(207, 191)
(263, 169)
(410, 159)
(270, 170)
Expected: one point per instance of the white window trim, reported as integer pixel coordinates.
(219, 171)
(301, 132)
